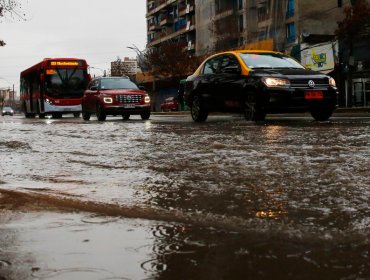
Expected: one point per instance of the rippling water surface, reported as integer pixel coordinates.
(287, 199)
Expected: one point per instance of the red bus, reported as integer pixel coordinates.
(54, 87)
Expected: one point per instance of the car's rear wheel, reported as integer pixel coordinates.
(322, 114)
(199, 112)
(145, 115)
(125, 116)
(253, 111)
(100, 113)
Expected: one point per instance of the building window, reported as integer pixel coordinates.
(241, 23)
(263, 11)
(262, 33)
(340, 3)
(290, 9)
(240, 4)
(290, 32)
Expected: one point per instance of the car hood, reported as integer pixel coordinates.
(287, 72)
(123, 91)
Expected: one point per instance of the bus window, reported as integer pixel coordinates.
(69, 82)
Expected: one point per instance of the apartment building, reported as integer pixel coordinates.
(169, 21)
(127, 66)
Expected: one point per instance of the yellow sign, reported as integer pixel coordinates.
(64, 63)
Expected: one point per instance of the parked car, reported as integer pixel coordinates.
(115, 96)
(7, 111)
(170, 104)
(256, 83)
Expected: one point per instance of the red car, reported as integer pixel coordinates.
(114, 96)
(170, 104)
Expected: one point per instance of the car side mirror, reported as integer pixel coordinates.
(94, 88)
(234, 69)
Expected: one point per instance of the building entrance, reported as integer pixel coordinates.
(361, 92)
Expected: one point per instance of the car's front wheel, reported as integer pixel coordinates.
(253, 111)
(198, 110)
(100, 113)
(145, 115)
(322, 114)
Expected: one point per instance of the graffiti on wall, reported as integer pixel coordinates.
(319, 58)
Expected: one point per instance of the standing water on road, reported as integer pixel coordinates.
(226, 199)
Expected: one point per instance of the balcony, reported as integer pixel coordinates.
(185, 9)
(263, 17)
(153, 27)
(165, 20)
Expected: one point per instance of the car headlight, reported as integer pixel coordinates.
(275, 82)
(332, 82)
(108, 100)
(147, 99)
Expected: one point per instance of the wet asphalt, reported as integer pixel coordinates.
(168, 198)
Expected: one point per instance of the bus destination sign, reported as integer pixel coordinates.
(65, 63)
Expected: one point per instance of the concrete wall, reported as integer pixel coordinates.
(204, 13)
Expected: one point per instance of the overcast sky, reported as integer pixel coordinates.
(98, 31)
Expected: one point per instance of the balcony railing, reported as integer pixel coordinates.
(290, 13)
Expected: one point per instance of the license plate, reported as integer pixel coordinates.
(129, 106)
(313, 95)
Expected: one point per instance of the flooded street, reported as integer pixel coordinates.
(167, 198)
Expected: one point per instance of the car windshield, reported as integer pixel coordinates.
(269, 61)
(7, 109)
(117, 84)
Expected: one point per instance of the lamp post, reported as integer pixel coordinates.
(103, 70)
(143, 68)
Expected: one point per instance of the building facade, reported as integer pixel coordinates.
(126, 67)
(171, 20)
(7, 97)
(302, 28)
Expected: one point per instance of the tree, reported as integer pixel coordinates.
(356, 20)
(10, 8)
(354, 28)
(171, 59)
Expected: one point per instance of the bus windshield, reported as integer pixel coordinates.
(65, 83)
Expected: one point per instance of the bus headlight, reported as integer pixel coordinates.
(147, 99)
(108, 100)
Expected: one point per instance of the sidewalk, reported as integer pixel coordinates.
(341, 111)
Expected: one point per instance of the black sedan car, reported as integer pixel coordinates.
(257, 83)
(115, 96)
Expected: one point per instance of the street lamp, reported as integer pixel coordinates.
(104, 71)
